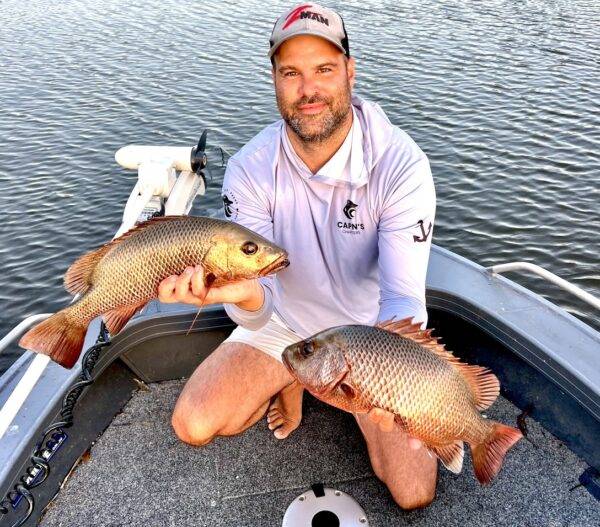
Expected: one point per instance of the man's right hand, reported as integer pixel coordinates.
(189, 288)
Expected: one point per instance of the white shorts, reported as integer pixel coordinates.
(272, 338)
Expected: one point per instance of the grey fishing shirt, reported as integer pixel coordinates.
(358, 232)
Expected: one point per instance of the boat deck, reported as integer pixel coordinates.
(139, 474)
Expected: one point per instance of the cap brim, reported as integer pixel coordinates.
(306, 32)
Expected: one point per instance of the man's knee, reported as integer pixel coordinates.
(410, 489)
(193, 428)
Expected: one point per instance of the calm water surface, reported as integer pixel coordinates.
(501, 95)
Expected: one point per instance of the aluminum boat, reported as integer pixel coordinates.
(93, 445)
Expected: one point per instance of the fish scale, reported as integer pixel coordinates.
(169, 247)
(406, 363)
(122, 276)
(131, 268)
(401, 369)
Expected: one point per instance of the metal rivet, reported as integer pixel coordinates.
(362, 520)
(301, 498)
(338, 493)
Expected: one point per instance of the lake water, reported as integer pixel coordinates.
(503, 96)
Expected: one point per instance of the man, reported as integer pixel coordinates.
(351, 198)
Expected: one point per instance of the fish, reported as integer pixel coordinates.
(122, 276)
(398, 367)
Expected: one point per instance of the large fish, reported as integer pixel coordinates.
(122, 276)
(404, 370)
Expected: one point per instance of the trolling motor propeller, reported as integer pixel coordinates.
(198, 157)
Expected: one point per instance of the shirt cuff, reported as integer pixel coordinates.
(252, 320)
(399, 308)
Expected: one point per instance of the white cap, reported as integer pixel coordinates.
(310, 19)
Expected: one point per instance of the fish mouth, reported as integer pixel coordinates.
(281, 263)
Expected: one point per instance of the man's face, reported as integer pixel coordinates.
(313, 84)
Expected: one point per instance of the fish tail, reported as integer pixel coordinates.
(59, 337)
(489, 455)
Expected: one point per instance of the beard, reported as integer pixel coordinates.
(319, 127)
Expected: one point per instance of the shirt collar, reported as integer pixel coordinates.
(345, 168)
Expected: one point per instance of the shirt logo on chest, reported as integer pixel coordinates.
(349, 211)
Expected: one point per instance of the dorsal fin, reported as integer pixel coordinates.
(414, 332)
(78, 276)
(483, 383)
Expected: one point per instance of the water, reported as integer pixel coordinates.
(501, 95)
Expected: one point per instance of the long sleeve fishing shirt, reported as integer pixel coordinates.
(358, 232)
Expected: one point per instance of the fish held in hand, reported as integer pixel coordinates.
(402, 369)
(123, 275)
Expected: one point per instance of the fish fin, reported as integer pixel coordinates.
(58, 337)
(115, 319)
(195, 318)
(144, 225)
(406, 328)
(402, 422)
(451, 455)
(397, 326)
(77, 278)
(489, 455)
(483, 383)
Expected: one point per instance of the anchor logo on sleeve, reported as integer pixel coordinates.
(424, 235)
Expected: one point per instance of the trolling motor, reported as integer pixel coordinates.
(159, 190)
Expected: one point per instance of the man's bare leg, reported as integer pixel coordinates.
(285, 411)
(409, 474)
(229, 392)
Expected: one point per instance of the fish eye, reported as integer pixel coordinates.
(307, 349)
(249, 248)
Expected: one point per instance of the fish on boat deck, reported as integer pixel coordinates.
(402, 369)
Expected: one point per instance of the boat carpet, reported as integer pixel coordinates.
(139, 474)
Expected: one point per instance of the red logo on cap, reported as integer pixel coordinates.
(294, 15)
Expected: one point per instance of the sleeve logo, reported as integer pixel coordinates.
(424, 235)
(230, 206)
